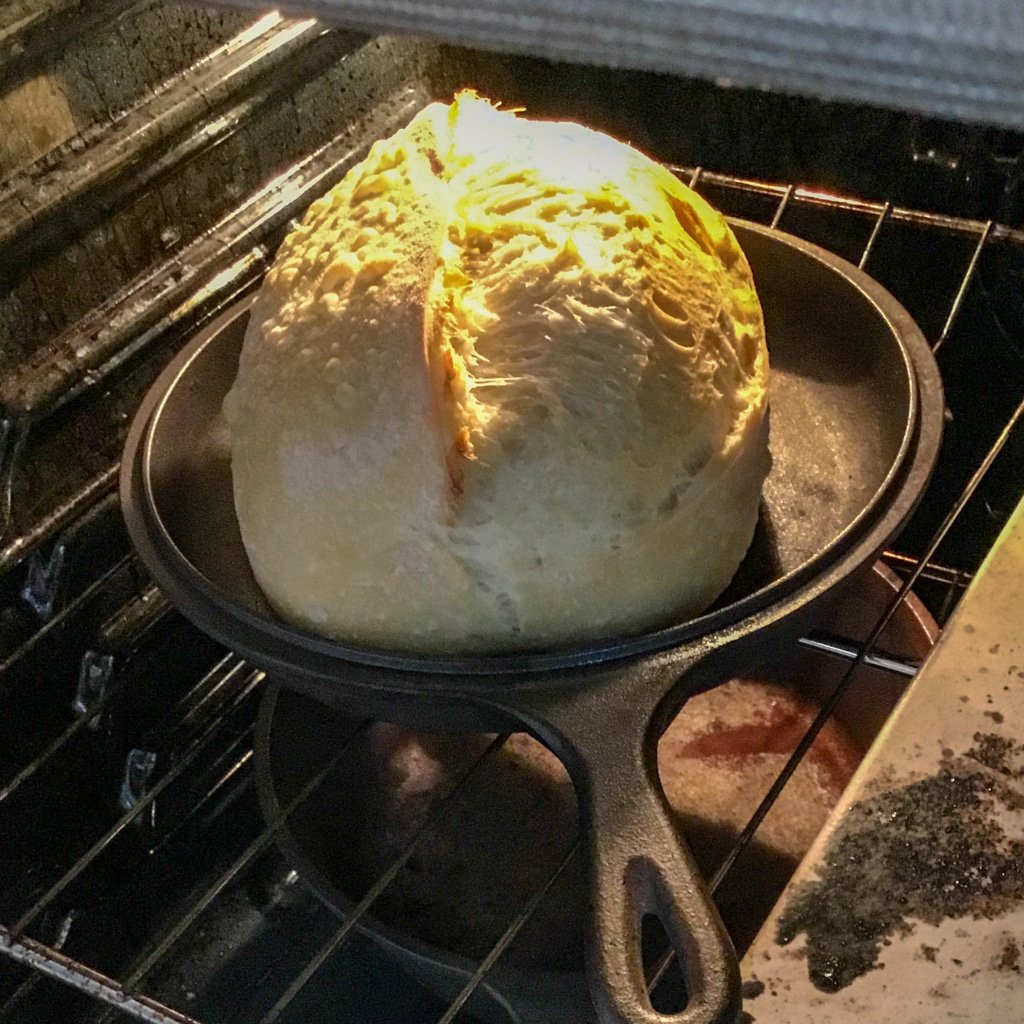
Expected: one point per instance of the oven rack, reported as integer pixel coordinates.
(210, 725)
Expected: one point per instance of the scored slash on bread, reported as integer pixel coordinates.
(505, 385)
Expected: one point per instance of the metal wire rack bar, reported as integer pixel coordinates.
(17, 548)
(60, 618)
(54, 964)
(934, 571)
(955, 581)
(780, 210)
(101, 844)
(20, 994)
(441, 811)
(46, 755)
(508, 937)
(840, 647)
(849, 204)
(965, 283)
(880, 221)
(248, 855)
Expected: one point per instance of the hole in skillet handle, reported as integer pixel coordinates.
(638, 862)
(665, 984)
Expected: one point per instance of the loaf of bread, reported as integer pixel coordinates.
(505, 386)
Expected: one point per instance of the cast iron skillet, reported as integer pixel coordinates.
(856, 414)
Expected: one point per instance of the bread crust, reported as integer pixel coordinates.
(505, 386)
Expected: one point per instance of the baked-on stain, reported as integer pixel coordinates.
(1009, 958)
(752, 989)
(778, 733)
(930, 850)
(1000, 753)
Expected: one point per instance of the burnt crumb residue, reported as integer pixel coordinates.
(752, 989)
(996, 716)
(926, 851)
(1009, 958)
(929, 952)
(999, 753)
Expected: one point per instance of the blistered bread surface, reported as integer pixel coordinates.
(505, 386)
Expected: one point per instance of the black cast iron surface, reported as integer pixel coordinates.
(856, 423)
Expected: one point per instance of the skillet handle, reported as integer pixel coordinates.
(640, 865)
(638, 860)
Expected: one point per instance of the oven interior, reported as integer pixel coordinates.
(151, 157)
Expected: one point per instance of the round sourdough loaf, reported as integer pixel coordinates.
(505, 386)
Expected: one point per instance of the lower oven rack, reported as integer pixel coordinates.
(192, 770)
